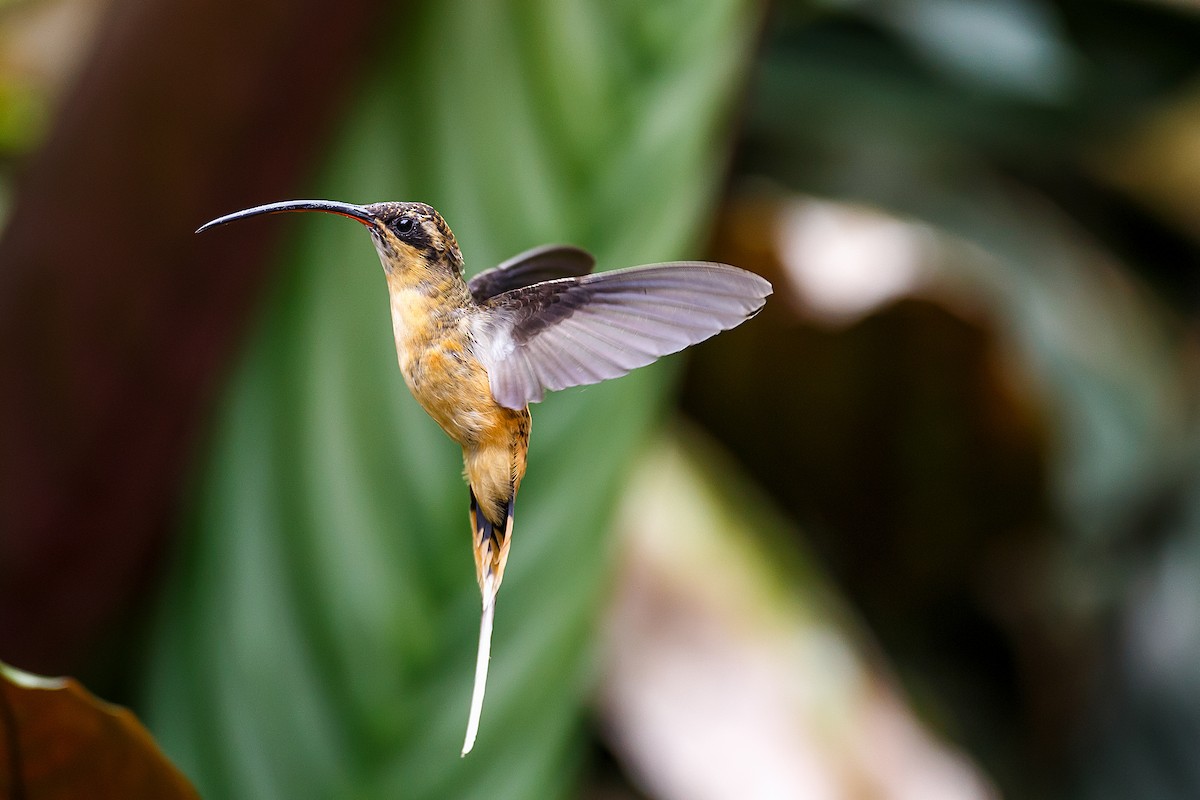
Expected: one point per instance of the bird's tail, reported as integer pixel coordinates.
(491, 545)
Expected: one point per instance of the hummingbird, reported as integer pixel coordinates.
(475, 353)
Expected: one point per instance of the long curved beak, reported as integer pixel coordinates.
(328, 206)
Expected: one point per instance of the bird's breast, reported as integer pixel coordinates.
(434, 348)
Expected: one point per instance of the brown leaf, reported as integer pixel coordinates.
(59, 741)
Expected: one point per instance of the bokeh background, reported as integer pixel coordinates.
(927, 527)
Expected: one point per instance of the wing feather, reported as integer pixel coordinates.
(580, 370)
(543, 263)
(579, 330)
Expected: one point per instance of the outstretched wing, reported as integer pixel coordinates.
(543, 263)
(575, 331)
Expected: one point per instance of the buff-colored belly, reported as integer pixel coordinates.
(452, 386)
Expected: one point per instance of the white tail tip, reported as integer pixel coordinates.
(481, 667)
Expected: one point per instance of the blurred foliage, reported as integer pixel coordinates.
(873, 101)
(713, 585)
(20, 115)
(1003, 475)
(58, 742)
(41, 45)
(907, 446)
(318, 633)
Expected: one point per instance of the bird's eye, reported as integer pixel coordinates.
(405, 225)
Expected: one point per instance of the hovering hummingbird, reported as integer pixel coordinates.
(476, 353)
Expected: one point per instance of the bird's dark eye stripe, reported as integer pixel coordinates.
(412, 231)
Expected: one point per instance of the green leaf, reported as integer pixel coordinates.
(317, 638)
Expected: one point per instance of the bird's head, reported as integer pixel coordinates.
(407, 236)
